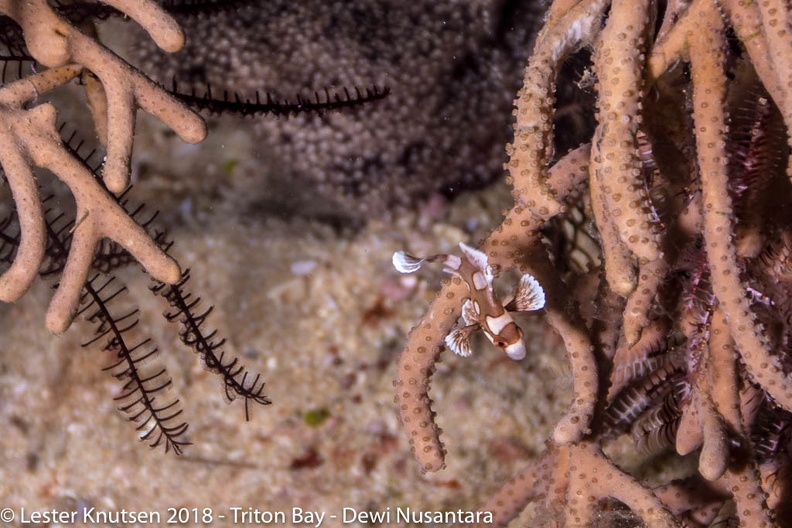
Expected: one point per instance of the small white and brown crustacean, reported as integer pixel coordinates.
(483, 309)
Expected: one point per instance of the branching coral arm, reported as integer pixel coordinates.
(639, 302)
(709, 96)
(714, 456)
(531, 153)
(595, 477)
(46, 34)
(723, 377)
(776, 17)
(98, 216)
(125, 88)
(565, 176)
(616, 170)
(31, 139)
(530, 484)
(520, 236)
(16, 280)
(415, 369)
(164, 30)
(423, 346)
(668, 48)
(693, 496)
(517, 244)
(745, 19)
(619, 268)
(580, 351)
(673, 12)
(744, 486)
(16, 166)
(575, 476)
(765, 28)
(575, 422)
(55, 42)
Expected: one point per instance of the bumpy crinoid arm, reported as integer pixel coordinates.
(30, 139)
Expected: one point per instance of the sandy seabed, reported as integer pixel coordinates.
(322, 315)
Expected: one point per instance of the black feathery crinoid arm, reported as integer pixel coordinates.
(9, 239)
(143, 396)
(79, 12)
(235, 104)
(238, 381)
(203, 7)
(15, 59)
(109, 255)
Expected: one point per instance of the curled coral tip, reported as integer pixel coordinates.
(14, 283)
(195, 130)
(59, 318)
(169, 272)
(169, 37)
(162, 28)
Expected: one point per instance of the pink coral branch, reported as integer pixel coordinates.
(15, 159)
(415, 369)
(615, 168)
(572, 480)
(709, 95)
(423, 346)
(534, 482)
(693, 335)
(30, 139)
(55, 42)
(532, 150)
